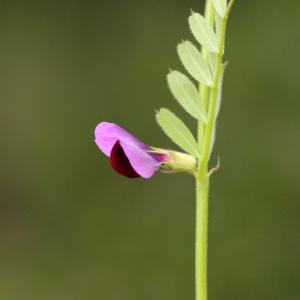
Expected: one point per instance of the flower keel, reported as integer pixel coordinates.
(120, 163)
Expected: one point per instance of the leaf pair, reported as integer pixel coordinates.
(182, 88)
(187, 95)
(173, 127)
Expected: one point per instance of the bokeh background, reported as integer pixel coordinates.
(70, 228)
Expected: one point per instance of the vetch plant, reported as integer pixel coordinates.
(132, 158)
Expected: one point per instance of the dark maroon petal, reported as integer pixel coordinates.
(120, 162)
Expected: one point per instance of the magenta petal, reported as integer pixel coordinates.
(142, 162)
(107, 134)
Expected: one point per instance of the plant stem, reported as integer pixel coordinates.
(209, 15)
(214, 97)
(205, 135)
(202, 190)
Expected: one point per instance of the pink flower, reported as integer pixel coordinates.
(127, 155)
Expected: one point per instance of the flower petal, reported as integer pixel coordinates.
(120, 162)
(107, 134)
(143, 163)
(140, 159)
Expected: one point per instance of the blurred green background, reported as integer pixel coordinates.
(71, 228)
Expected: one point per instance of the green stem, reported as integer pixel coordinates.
(202, 189)
(209, 15)
(202, 179)
(214, 97)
